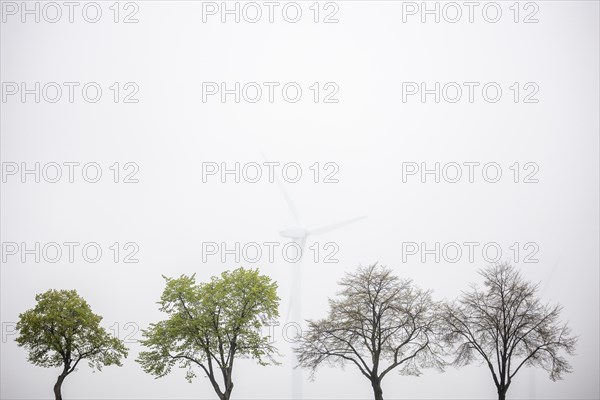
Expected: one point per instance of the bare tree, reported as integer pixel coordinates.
(508, 327)
(377, 323)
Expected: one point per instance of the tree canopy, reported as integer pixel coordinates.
(61, 330)
(507, 326)
(211, 324)
(377, 323)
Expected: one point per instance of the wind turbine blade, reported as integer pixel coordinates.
(302, 246)
(549, 277)
(287, 197)
(331, 227)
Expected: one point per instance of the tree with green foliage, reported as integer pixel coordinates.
(61, 330)
(211, 324)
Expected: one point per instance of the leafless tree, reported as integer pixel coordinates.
(508, 327)
(377, 323)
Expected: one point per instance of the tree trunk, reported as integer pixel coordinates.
(57, 386)
(228, 389)
(502, 393)
(226, 394)
(376, 384)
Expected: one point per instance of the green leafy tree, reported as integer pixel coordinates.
(61, 330)
(211, 324)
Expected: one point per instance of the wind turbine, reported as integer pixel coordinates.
(300, 233)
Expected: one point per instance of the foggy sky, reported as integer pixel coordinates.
(369, 133)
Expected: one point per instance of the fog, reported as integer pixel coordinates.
(367, 144)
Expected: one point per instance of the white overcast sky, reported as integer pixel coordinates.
(368, 134)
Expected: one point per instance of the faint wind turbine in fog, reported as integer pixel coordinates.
(299, 233)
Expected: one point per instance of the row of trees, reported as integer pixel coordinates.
(380, 323)
(377, 323)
